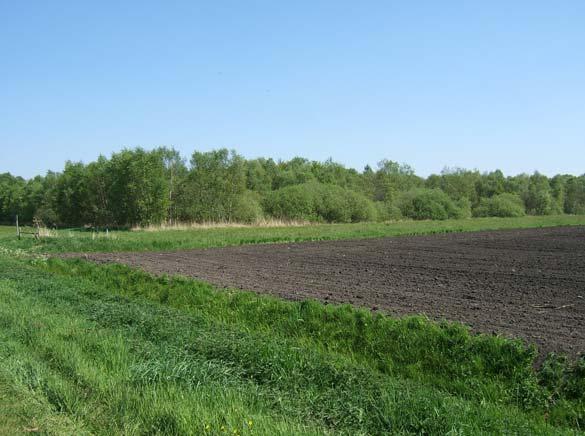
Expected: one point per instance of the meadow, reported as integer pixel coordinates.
(107, 349)
(88, 240)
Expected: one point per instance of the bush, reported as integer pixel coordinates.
(501, 205)
(361, 208)
(387, 211)
(331, 204)
(430, 204)
(315, 201)
(463, 206)
(295, 202)
(539, 203)
(47, 216)
(248, 208)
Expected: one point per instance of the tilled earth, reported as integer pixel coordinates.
(521, 283)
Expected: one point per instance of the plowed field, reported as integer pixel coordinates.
(524, 283)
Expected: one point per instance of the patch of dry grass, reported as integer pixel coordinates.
(267, 222)
(45, 232)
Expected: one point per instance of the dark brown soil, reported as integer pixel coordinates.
(522, 283)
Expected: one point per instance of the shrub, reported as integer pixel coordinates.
(47, 216)
(295, 202)
(433, 204)
(315, 201)
(248, 208)
(501, 205)
(387, 211)
(361, 208)
(331, 203)
(463, 206)
(539, 203)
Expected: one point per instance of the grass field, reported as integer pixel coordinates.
(109, 350)
(87, 241)
(105, 349)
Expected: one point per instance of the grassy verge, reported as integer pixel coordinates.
(111, 350)
(83, 241)
(22, 411)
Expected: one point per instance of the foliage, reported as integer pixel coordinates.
(393, 178)
(139, 187)
(490, 184)
(500, 205)
(216, 180)
(387, 211)
(575, 195)
(319, 202)
(430, 204)
(295, 202)
(537, 198)
(247, 208)
(457, 183)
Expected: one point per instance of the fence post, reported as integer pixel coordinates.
(37, 225)
(17, 228)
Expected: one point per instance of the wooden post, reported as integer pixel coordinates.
(17, 228)
(37, 233)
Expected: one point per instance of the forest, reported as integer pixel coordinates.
(138, 187)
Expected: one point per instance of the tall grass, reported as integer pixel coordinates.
(261, 223)
(117, 351)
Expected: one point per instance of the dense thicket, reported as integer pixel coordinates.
(139, 187)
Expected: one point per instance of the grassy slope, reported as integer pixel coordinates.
(79, 241)
(106, 349)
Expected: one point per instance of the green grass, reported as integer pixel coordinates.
(7, 231)
(24, 412)
(105, 349)
(110, 350)
(84, 241)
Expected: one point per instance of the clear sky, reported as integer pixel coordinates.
(492, 84)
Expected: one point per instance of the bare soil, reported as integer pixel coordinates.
(520, 283)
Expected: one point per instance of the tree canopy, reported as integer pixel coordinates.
(140, 187)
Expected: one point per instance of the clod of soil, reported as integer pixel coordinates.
(520, 283)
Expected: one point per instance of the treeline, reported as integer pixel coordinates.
(139, 187)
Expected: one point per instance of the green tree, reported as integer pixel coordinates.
(259, 173)
(490, 184)
(575, 195)
(139, 188)
(293, 172)
(333, 173)
(393, 178)
(11, 197)
(537, 198)
(72, 195)
(215, 182)
(558, 188)
(38, 199)
(458, 183)
(500, 205)
(100, 201)
(176, 172)
(517, 184)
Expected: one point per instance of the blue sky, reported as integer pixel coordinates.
(484, 85)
